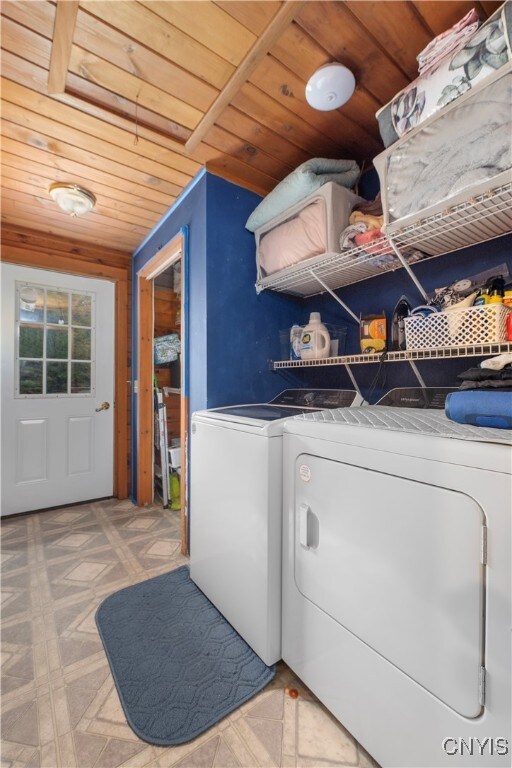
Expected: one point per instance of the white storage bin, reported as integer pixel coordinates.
(307, 229)
(483, 324)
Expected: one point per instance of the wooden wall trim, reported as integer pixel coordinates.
(145, 396)
(46, 243)
(58, 263)
(53, 260)
(163, 259)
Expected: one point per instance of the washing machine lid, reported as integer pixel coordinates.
(290, 402)
(256, 412)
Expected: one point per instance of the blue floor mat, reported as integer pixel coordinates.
(178, 665)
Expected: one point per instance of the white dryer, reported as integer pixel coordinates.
(396, 580)
(236, 509)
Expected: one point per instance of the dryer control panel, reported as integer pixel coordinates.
(417, 397)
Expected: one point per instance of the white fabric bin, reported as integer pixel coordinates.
(307, 229)
(460, 153)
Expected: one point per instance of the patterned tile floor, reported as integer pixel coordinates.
(59, 704)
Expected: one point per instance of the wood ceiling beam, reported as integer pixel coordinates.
(286, 14)
(64, 28)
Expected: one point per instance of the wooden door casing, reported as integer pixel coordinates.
(165, 257)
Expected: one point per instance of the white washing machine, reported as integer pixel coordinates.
(396, 580)
(236, 509)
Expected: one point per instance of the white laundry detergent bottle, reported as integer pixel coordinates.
(316, 342)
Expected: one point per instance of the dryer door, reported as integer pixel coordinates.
(398, 563)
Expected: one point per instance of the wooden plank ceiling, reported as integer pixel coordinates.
(131, 99)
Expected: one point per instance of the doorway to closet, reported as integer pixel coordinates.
(162, 402)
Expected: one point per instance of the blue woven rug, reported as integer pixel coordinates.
(179, 667)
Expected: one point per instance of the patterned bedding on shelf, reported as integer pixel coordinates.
(466, 145)
(485, 51)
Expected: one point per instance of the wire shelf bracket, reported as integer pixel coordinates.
(417, 374)
(353, 379)
(406, 266)
(335, 297)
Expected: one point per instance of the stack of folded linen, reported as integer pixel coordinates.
(492, 374)
(364, 225)
(447, 42)
(362, 229)
(364, 232)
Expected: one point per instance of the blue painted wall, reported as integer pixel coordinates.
(242, 327)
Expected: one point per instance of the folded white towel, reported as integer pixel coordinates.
(497, 363)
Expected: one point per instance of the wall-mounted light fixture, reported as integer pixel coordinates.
(330, 86)
(72, 199)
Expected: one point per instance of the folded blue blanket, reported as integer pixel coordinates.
(305, 179)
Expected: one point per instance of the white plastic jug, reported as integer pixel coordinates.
(315, 342)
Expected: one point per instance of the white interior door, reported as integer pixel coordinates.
(57, 371)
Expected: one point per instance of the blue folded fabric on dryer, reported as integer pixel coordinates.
(480, 409)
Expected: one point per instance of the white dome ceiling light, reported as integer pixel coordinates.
(330, 87)
(72, 199)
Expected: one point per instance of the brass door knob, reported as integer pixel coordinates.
(103, 407)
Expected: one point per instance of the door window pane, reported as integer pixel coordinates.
(57, 343)
(31, 304)
(81, 344)
(31, 341)
(81, 310)
(56, 378)
(31, 377)
(57, 303)
(55, 333)
(80, 378)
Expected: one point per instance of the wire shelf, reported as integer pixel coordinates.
(439, 353)
(479, 219)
